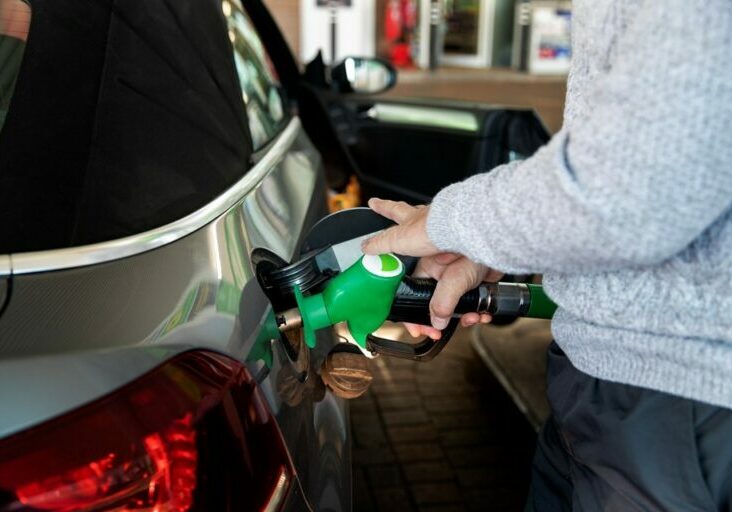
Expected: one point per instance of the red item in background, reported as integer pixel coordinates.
(399, 24)
(409, 14)
(393, 21)
(401, 55)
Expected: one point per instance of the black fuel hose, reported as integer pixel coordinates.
(500, 299)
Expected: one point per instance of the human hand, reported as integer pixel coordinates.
(409, 237)
(455, 275)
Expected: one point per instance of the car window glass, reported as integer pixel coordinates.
(14, 24)
(259, 84)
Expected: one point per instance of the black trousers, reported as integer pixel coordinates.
(614, 447)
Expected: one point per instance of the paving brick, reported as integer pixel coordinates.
(402, 363)
(394, 375)
(365, 404)
(405, 401)
(362, 499)
(477, 477)
(452, 404)
(393, 499)
(394, 387)
(444, 376)
(474, 456)
(476, 419)
(412, 433)
(385, 476)
(371, 456)
(367, 431)
(494, 499)
(450, 435)
(364, 417)
(428, 471)
(462, 437)
(436, 492)
(447, 389)
(444, 367)
(442, 508)
(405, 417)
(414, 452)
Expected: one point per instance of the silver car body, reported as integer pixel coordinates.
(84, 321)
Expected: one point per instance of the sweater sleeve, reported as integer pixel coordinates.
(629, 183)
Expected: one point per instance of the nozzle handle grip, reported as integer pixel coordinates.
(507, 300)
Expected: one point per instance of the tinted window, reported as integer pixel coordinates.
(14, 24)
(259, 84)
(126, 116)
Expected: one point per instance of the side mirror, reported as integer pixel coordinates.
(363, 75)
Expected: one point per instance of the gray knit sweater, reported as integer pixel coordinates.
(627, 211)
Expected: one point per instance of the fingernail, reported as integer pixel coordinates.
(439, 323)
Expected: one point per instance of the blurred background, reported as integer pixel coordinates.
(457, 433)
(511, 52)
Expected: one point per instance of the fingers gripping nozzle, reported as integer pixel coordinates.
(374, 290)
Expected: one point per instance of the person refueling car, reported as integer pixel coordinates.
(627, 212)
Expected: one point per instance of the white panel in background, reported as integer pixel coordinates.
(356, 30)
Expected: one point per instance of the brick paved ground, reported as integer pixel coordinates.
(439, 436)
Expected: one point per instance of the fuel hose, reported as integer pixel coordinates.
(500, 299)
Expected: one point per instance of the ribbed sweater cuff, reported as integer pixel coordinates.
(442, 221)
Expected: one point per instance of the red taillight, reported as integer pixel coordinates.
(162, 473)
(193, 434)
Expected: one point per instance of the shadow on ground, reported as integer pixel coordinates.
(439, 436)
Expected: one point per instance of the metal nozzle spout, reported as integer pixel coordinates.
(289, 320)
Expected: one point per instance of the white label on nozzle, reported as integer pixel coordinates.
(383, 265)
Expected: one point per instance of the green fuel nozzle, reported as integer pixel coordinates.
(361, 296)
(374, 289)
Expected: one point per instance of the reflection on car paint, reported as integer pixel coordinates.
(196, 292)
(259, 84)
(262, 348)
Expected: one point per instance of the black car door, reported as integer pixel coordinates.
(410, 149)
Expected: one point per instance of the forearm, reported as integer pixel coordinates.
(526, 218)
(633, 180)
